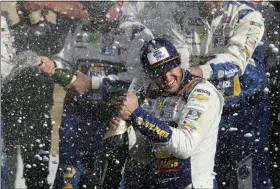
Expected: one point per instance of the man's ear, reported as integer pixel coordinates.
(180, 57)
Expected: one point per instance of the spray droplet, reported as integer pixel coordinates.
(248, 135)
(271, 45)
(233, 129)
(213, 173)
(275, 50)
(46, 159)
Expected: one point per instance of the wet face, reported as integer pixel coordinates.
(169, 81)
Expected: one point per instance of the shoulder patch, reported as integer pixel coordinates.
(193, 114)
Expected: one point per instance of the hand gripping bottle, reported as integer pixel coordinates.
(63, 77)
(115, 151)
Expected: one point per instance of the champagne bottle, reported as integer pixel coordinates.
(63, 77)
(115, 151)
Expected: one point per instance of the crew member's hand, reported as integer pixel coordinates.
(47, 66)
(196, 70)
(129, 105)
(32, 6)
(114, 123)
(82, 83)
(115, 12)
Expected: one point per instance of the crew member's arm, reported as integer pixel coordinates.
(135, 31)
(248, 32)
(65, 59)
(71, 10)
(199, 119)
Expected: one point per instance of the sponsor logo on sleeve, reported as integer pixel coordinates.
(250, 42)
(221, 74)
(231, 73)
(193, 114)
(189, 125)
(157, 130)
(139, 120)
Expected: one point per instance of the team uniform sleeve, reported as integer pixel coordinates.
(198, 123)
(248, 32)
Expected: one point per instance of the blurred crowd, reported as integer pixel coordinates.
(158, 94)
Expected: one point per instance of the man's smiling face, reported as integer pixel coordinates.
(169, 81)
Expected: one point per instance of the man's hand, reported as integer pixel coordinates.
(82, 84)
(196, 70)
(47, 66)
(114, 123)
(129, 105)
(114, 12)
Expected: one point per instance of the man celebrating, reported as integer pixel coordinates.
(180, 115)
(224, 40)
